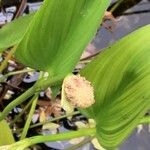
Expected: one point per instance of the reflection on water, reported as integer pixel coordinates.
(138, 140)
(124, 25)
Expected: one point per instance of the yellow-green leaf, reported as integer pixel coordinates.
(6, 136)
(50, 126)
(121, 79)
(60, 31)
(65, 103)
(13, 32)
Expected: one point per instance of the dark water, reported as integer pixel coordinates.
(124, 25)
(138, 141)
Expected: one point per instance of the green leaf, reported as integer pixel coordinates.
(6, 136)
(13, 32)
(59, 33)
(50, 126)
(121, 79)
(65, 103)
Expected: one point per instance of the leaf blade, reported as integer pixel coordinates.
(12, 33)
(60, 25)
(120, 76)
(6, 136)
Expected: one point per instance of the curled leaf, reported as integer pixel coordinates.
(65, 104)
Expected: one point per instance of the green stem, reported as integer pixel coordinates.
(55, 119)
(19, 72)
(4, 63)
(51, 138)
(42, 84)
(115, 6)
(145, 120)
(2, 79)
(29, 118)
(17, 101)
(21, 113)
(84, 61)
(52, 120)
(75, 147)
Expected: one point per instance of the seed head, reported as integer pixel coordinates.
(79, 91)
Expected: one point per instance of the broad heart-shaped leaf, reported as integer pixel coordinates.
(13, 32)
(59, 33)
(121, 79)
(6, 136)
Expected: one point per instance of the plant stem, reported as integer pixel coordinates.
(29, 118)
(48, 121)
(4, 63)
(90, 57)
(51, 138)
(42, 84)
(55, 119)
(84, 61)
(115, 6)
(2, 79)
(21, 113)
(16, 102)
(145, 120)
(75, 147)
(19, 72)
